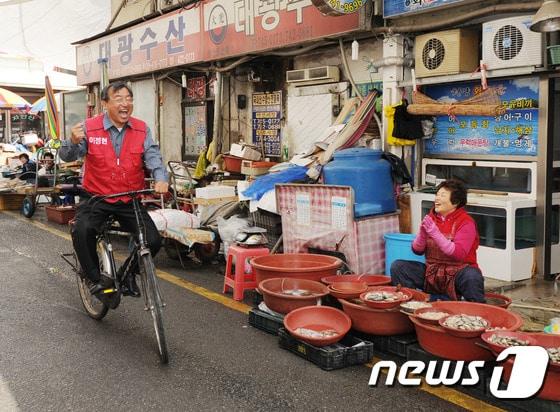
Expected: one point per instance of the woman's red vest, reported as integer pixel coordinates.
(441, 268)
(104, 172)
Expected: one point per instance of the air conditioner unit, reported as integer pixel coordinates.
(509, 43)
(314, 75)
(446, 52)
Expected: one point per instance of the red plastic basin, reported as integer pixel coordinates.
(437, 341)
(496, 299)
(272, 289)
(318, 318)
(376, 321)
(551, 386)
(503, 333)
(295, 265)
(371, 280)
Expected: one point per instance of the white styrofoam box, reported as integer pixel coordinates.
(214, 192)
(245, 152)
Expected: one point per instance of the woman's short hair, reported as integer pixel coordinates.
(457, 189)
(24, 156)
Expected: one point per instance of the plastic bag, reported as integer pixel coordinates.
(265, 183)
(229, 228)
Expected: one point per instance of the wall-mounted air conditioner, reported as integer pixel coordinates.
(314, 75)
(446, 52)
(509, 43)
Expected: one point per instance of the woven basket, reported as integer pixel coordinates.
(486, 103)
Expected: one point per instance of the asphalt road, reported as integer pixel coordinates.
(54, 358)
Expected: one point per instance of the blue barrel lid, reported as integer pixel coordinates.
(357, 152)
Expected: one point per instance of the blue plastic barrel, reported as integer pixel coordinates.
(398, 246)
(369, 175)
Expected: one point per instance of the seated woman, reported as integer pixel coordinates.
(449, 239)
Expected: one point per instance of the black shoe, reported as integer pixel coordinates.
(104, 282)
(131, 287)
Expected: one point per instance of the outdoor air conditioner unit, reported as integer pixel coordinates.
(509, 43)
(446, 52)
(314, 75)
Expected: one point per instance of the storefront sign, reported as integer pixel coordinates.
(514, 133)
(196, 88)
(195, 129)
(339, 7)
(267, 114)
(397, 8)
(214, 30)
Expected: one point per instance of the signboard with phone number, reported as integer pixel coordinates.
(515, 133)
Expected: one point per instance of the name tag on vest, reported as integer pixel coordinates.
(97, 140)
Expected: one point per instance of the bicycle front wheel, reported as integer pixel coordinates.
(154, 303)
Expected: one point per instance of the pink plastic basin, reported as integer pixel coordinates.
(438, 342)
(296, 265)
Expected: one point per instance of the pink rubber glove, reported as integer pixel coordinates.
(446, 246)
(419, 244)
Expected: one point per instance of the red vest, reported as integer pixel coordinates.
(441, 268)
(104, 172)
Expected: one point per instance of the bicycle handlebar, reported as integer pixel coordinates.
(123, 194)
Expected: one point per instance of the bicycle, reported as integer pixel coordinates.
(99, 304)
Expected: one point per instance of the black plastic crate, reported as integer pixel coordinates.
(269, 221)
(330, 357)
(395, 345)
(265, 321)
(273, 225)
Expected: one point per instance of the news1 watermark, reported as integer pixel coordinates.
(526, 378)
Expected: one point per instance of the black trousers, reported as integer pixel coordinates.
(90, 218)
(469, 282)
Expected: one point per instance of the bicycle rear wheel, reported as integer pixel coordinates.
(94, 307)
(154, 303)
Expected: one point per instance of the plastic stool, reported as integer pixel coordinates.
(240, 280)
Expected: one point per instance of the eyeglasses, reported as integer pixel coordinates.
(121, 100)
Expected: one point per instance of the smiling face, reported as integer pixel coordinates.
(119, 106)
(443, 204)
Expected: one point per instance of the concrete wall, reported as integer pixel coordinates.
(145, 102)
(370, 49)
(171, 130)
(237, 126)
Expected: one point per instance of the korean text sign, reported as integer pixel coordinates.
(395, 8)
(213, 30)
(267, 115)
(514, 133)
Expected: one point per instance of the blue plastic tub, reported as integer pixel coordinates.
(398, 246)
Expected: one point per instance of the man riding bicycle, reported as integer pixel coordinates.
(117, 149)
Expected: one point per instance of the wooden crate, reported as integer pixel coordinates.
(11, 201)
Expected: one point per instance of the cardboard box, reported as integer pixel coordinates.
(244, 151)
